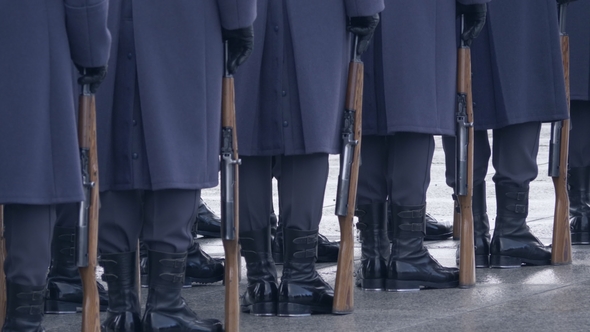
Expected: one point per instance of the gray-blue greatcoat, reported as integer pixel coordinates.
(178, 53)
(578, 27)
(411, 69)
(517, 65)
(290, 93)
(39, 162)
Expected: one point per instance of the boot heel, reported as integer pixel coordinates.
(401, 285)
(581, 238)
(264, 309)
(286, 309)
(481, 261)
(60, 307)
(504, 262)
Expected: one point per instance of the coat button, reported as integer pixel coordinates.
(285, 123)
(284, 93)
(134, 156)
(276, 28)
(129, 55)
(134, 122)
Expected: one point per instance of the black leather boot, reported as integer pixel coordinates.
(513, 244)
(209, 224)
(410, 265)
(372, 225)
(200, 267)
(481, 227)
(302, 291)
(64, 285)
(261, 296)
(579, 196)
(327, 250)
(165, 309)
(124, 308)
(24, 308)
(437, 230)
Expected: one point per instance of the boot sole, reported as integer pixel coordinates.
(580, 238)
(415, 285)
(286, 309)
(61, 307)
(508, 262)
(372, 285)
(263, 309)
(188, 281)
(438, 237)
(481, 261)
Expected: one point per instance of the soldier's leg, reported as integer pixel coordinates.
(261, 295)
(515, 161)
(168, 219)
(410, 265)
(579, 172)
(301, 196)
(120, 222)
(481, 223)
(27, 260)
(371, 210)
(64, 285)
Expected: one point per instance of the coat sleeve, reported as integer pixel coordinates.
(363, 7)
(237, 14)
(89, 38)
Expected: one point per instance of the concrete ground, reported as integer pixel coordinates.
(550, 298)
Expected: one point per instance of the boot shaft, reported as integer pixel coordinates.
(120, 276)
(481, 223)
(512, 209)
(300, 254)
(63, 260)
(256, 250)
(24, 308)
(372, 226)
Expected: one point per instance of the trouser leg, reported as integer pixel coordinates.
(255, 192)
(120, 221)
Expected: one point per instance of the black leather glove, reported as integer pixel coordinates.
(475, 19)
(561, 2)
(364, 28)
(92, 76)
(240, 44)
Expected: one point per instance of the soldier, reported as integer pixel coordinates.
(410, 80)
(40, 162)
(517, 84)
(578, 27)
(158, 136)
(291, 96)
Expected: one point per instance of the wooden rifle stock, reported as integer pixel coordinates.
(230, 202)
(2, 275)
(87, 140)
(348, 180)
(561, 252)
(464, 197)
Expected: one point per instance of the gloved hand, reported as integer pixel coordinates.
(240, 44)
(92, 76)
(475, 19)
(364, 28)
(561, 2)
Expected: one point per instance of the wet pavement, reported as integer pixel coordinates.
(549, 298)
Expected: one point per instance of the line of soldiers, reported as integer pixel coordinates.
(158, 141)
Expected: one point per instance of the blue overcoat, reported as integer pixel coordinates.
(517, 65)
(411, 69)
(178, 59)
(290, 93)
(39, 42)
(578, 28)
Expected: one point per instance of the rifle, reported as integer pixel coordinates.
(87, 228)
(347, 184)
(561, 252)
(464, 164)
(230, 200)
(2, 275)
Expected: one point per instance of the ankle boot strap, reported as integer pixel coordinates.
(166, 269)
(119, 269)
(300, 245)
(512, 201)
(408, 221)
(255, 243)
